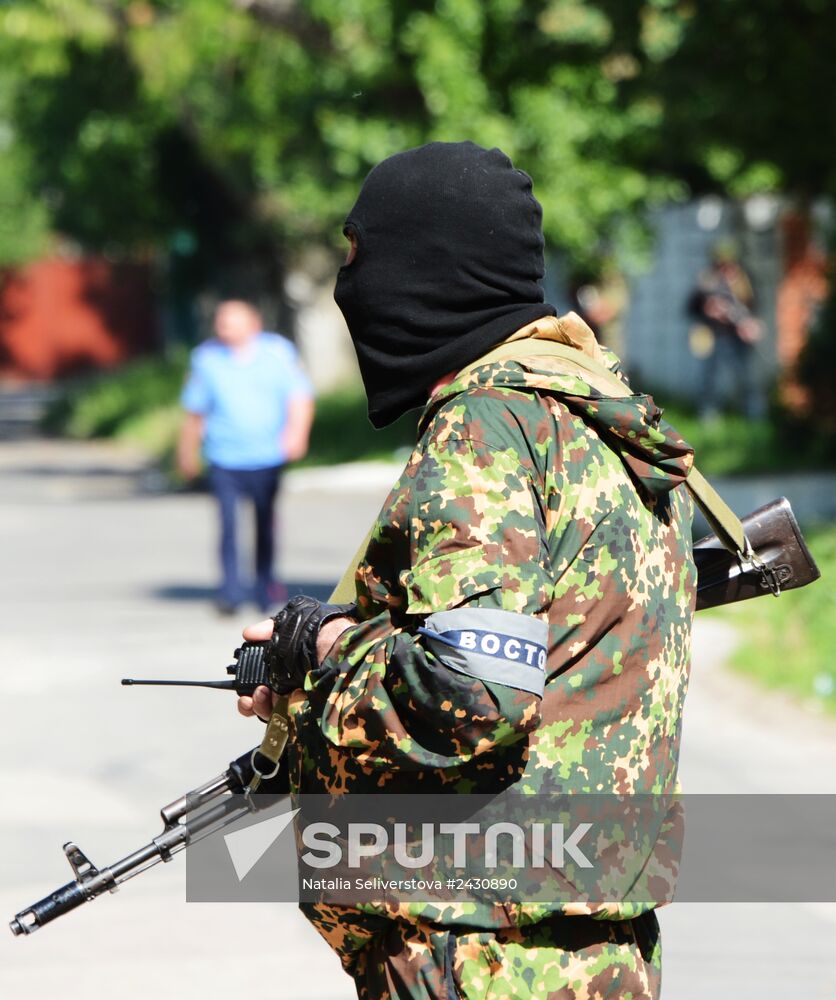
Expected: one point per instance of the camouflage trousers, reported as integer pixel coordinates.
(564, 958)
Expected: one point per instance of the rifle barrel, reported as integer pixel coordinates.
(218, 685)
(189, 818)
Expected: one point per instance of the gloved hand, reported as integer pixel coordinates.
(292, 650)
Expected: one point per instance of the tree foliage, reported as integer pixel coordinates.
(239, 127)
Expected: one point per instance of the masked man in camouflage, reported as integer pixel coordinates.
(535, 506)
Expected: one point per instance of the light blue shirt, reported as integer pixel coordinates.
(243, 395)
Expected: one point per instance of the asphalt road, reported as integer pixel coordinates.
(102, 580)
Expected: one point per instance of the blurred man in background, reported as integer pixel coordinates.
(250, 405)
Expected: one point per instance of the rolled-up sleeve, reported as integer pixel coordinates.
(297, 380)
(196, 396)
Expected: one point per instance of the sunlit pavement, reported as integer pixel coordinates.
(99, 582)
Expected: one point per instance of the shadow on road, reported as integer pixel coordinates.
(54, 472)
(199, 592)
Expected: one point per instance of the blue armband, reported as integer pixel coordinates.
(498, 646)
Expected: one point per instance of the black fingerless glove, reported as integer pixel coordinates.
(291, 652)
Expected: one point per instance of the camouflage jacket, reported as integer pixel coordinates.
(528, 492)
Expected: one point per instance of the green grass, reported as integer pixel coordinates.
(103, 405)
(733, 445)
(789, 642)
(342, 432)
(138, 403)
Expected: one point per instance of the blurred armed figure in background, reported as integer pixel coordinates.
(724, 304)
(248, 402)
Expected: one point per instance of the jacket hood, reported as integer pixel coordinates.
(655, 454)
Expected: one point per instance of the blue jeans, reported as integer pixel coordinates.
(730, 374)
(260, 486)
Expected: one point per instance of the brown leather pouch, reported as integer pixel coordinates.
(779, 559)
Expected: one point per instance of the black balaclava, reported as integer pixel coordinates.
(449, 263)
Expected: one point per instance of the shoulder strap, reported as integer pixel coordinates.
(725, 523)
(721, 518)
(577, 362)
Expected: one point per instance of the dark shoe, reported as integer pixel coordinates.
(225, 608)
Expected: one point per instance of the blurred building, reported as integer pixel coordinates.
(320, 331)
(61, 316)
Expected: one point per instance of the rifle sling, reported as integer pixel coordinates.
(720, 517)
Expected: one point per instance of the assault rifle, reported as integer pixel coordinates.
(189, 818)
(197, 814)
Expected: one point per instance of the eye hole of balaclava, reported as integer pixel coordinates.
(447, 262)
(351, 253)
